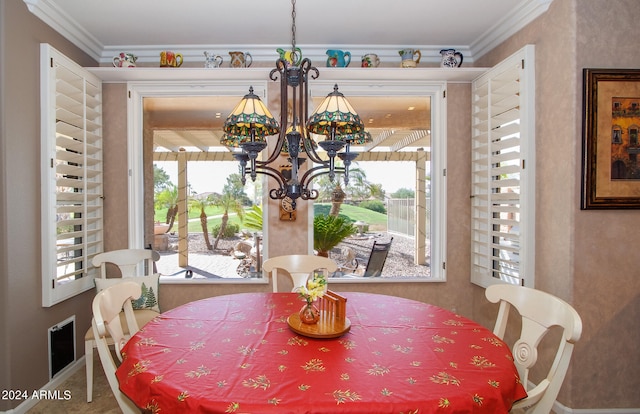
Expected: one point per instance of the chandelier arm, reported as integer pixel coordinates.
(275, 193)
(313, 155)
(274, 155)
(306, 67)
(280, 64)
(281, 70)
(315, 172)
(304, 98)
(311, 174)
(271, 172)
(300, 102)
(284, 99)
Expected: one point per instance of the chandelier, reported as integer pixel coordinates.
(250, 123)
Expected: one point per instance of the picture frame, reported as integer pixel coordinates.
(611, 142)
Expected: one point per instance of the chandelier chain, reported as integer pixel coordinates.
(293, 26)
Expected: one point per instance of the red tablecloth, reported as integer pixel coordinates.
(236, 354)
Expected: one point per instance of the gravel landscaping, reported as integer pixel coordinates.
(399, 262)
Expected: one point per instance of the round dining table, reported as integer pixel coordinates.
(237, 354)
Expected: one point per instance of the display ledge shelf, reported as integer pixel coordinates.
(140, 74)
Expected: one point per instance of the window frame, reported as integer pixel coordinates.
(436, 90)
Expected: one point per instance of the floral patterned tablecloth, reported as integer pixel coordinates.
(236, 354)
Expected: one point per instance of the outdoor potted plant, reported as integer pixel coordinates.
(328, 231)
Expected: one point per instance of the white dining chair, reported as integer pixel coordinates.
(298, 266)
(131, 263)
(107, 328)
(540, 311)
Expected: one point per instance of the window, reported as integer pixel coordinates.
(406, 120)
(434, 153)
(71, 108)
(502, 173)
(633, 136)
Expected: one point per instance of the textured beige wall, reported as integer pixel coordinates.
(607, 275)
(583, 256)
(25, 359)
(5, 347)
(5, 375)
(116, 182)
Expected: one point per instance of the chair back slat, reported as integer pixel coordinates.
(105, 323)
(540, 311)
(131, 262)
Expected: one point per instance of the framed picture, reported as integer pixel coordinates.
(611, 146)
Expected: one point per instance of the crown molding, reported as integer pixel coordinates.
(49, 13)
(510, 24)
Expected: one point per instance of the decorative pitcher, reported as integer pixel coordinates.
(409, 58)
(370, 60)
(125, 60)
(338, 58)
(212, 61)
(169, 59)
(241, 60)
(451, 58)
(291, 58)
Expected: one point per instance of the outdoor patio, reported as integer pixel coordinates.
(220, 263)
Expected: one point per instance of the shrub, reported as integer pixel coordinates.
(374, 205)
(328, 231)
(230, 231)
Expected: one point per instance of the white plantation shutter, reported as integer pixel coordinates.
(502, 173)
(72, 230)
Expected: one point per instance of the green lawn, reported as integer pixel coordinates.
(196, 227)
(376, 221)
(161, 214)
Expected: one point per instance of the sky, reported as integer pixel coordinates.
(212, 176)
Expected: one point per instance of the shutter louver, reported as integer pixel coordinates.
(498, 214)
(72, 176)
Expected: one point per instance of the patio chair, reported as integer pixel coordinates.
(540, 312)
(298, 266)
(377, 258)
(133, 264)
(107, 328)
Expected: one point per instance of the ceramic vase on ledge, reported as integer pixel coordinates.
(309, 314)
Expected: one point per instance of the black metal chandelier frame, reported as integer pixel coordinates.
(340, 129)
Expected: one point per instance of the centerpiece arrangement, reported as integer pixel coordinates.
(323, 314)
(314, 289)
